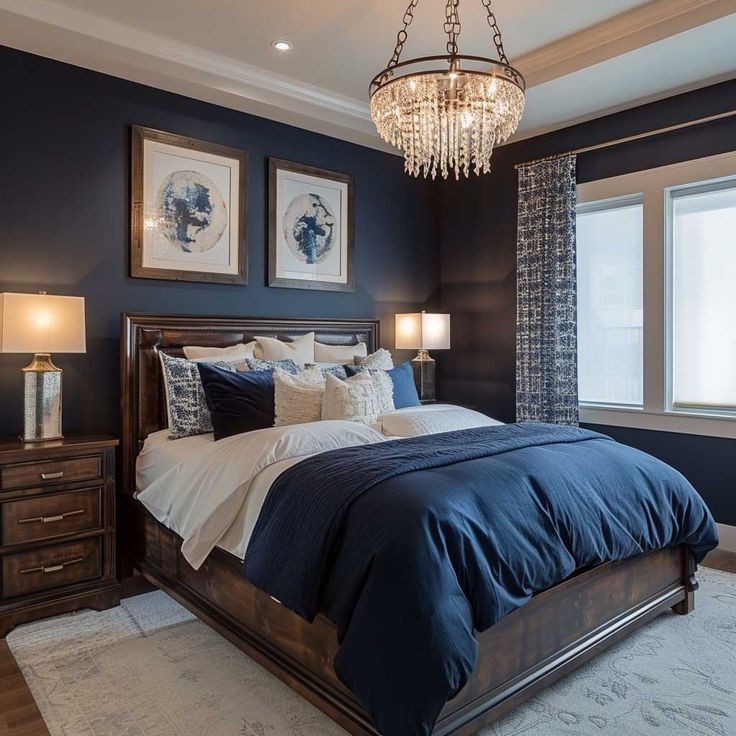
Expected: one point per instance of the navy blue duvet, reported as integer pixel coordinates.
(410, 546)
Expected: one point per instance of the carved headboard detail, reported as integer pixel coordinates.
(144, 335)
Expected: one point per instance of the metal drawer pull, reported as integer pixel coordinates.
(52, 568)
(52, 476)
(50, 519)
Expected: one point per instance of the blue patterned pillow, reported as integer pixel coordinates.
(287, 364)
(336, 369)
(185, 398)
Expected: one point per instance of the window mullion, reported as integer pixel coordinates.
(654, 367)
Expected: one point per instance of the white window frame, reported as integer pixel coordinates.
(654, 187)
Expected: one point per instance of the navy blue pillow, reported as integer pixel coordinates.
(405, 390)
(238, 402)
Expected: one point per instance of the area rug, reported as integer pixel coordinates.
(148, 668)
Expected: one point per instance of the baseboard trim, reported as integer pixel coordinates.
(727, 534)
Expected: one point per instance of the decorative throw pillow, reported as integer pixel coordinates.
(355, 399)
(287, 365)
(185, 399)
(238, 402)
(237, 354)
(339, 353)
(298, 397)
(381, 360)
(405, 389)
(336, 369)
(383, 383)
(300, 349)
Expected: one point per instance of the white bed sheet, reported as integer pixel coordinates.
(213, 496)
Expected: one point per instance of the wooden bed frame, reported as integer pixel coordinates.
(526, 651)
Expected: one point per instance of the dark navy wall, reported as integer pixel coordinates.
(64, 183)
(477, 228)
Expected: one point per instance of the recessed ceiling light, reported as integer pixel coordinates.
(281, 45)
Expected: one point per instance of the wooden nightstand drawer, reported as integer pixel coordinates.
(62, 564)
(46, 517)
(64, 470)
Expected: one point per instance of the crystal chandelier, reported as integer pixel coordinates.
(450, 118)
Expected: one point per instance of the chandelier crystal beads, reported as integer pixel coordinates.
(447, 112)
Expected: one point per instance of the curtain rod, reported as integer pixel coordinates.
(630, 138)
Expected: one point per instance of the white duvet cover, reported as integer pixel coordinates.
(213, 497)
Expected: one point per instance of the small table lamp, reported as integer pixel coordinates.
(421, 331)
(41, 324)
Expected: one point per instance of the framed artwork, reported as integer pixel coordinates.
(188, 209)
(310, 228)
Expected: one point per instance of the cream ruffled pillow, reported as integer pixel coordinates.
(355, 399)
(381, 360)
(298, 397)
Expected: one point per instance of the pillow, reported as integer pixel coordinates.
(298, 397)
(382, 382)
(287, 365)
(300, 350)
(339, 353)
(336, 369)
(186, 404)
(431, 419)
(234, 354)
(238, 402)
(405, 390)
(355, 399)
(381, 360)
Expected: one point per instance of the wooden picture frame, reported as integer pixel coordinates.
(324, 260)
(201, 236)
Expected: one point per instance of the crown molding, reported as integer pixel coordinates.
(54, 30)
(77, 37)
(628, 31)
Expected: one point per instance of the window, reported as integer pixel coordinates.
(703, 303)
(657, 298)
(610, 327)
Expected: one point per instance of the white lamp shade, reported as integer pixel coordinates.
(422, 331)
(41, 323)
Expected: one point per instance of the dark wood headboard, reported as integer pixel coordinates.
(144, 335)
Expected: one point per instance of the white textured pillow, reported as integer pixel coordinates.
(339, 353)
(432, 419)
(298, 397)
(381, 360)
(233, 354)
(384, 390)
(355, 399)
(300, 350)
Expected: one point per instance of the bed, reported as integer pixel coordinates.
(560, 627)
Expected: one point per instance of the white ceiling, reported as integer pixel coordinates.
(582, 58)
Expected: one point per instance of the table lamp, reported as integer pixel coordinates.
(423, 332)
(41, 324)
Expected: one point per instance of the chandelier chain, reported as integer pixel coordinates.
(493, 23)
(402, 35)
(452, 26)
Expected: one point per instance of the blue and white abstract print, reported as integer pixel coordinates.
(191, 211)
(309, 228)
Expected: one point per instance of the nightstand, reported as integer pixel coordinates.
(57, 528)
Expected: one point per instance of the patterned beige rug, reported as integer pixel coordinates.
(148, 668)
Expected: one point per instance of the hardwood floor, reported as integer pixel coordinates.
(19, 715)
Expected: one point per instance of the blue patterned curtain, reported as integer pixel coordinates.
(546, 316)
